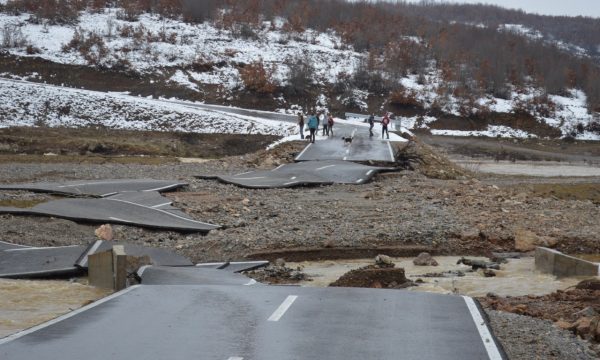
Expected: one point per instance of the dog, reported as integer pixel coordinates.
(347, 140)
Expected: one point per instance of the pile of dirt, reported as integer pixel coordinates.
(424, 159)
(372, 276)
(281, 154)
(383, 274)
(577, 310)
(277, 273)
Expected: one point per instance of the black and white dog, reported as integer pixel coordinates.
(347, 140)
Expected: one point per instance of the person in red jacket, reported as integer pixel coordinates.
(330, 125)
(384, 126)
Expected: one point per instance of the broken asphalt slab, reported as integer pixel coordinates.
(99, 188)
(262, 322)
(119, 209)
(235, 266)
(31, 262)
(156, 275)
(304, 174)
(156, 256)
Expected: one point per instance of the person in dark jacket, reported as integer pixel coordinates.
(371, 124)
(301, 125)
(313, 124)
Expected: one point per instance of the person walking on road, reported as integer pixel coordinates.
(301, 125)
(323, 119)
(371, 124)
(313, 124)
(330, 125)
(384, 126)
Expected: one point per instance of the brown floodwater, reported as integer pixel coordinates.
(26, 303)
(516, 278)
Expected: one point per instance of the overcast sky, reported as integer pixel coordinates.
(544, 7)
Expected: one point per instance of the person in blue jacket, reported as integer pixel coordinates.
(313, 124)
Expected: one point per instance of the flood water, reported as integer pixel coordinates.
(26, 303)
(516, 278)
(530, 168)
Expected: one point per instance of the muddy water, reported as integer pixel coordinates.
(25, 303)
(530, 168)
(518, 277)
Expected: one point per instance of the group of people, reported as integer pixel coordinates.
(385, 122)
(314, 120)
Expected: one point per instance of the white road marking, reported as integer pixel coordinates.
(66, 316)
(484, 332)
(285, 305)
(108, 194)
(93, 249)
(391, 152)
(250, 283)
(252, 178)
(290, 183)
(159, 205)
(40, 248)
(324, 167)
(369, 172)
(164, 187)
(160, 210)
(244, 173)
(235, 358)
(117, 219)
(24, 246)
(359, 181)
(293, 178)
(302, 152)
(142, 269)
(279, 167)
(345, 157)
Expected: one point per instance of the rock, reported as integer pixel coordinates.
(583, 326)
(489, 273)
(478, 264)
(561, 324)
(589, 284)
(280, 262)
(384, 261)
(105, 232)
(587, 312)
(425, 259)
(526, 240)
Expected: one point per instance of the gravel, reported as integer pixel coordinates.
(525, 337)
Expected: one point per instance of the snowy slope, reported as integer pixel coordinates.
(29, 104)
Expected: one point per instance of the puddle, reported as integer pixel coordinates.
(26, 303)
(516, 278)
(20, 203)
(530, 168)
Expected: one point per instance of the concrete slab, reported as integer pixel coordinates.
(40, 262)
(97, 187)
(362, 148)
(158, 256)
(304, 174)
(157, 275)
(262, 322)
(554, 262)
(117, 210)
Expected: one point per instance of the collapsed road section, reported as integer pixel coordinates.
(127, 202)
(304, 174)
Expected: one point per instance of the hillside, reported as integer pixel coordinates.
(444, 75)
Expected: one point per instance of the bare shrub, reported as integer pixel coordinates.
(257, 78)
(300, 76)
(12, 37)
(91, 46)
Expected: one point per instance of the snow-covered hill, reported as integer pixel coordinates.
(192, 55)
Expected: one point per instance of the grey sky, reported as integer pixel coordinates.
(544, 7)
